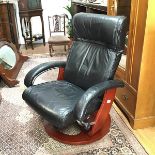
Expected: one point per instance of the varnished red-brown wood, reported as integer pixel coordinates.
(9, 81)
(82, 138)
(139, 114)
(61, 73)
(103, 112)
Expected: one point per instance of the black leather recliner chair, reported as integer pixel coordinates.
(85, 88)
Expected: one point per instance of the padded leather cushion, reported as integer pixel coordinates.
(94, 64)
(110, 30)
(55, 101)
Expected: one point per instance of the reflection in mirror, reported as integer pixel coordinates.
(7, 57)
(123, 61)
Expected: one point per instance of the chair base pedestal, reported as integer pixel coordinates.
(79, 139)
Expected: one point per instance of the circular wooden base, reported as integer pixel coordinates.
(81, 138)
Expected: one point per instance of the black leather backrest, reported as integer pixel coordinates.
(96, 51)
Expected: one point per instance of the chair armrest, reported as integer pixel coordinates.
(38, 70)
(92, 93)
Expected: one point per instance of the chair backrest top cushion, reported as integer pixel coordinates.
(109, 30)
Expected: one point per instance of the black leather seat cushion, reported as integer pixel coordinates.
(55, 101)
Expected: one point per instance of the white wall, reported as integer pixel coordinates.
(50, 7)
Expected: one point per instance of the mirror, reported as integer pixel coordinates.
(7, 57)
(122, 63)
(11, 60)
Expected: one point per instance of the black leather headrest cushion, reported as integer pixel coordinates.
(90, 27)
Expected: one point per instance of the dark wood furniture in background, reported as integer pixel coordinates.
(79, 6)
(27, 10)
(113, 7)
(8, 23)
(119, 7)
(9, 75)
